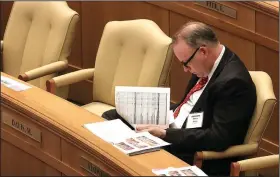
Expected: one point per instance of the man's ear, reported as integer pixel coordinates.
(204, 50)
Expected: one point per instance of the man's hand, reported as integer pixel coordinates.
(156, 130)
(140, 127)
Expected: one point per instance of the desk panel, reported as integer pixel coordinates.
(16, 162)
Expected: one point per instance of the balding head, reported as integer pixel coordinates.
(196, 34)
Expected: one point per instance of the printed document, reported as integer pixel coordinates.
(13, 84)
(143, 105)
(123, 138)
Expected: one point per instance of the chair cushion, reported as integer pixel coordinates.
(98, 108)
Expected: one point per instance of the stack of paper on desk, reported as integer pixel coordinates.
(143, 105)
(125, 139)
(183, 171)
(13, 84)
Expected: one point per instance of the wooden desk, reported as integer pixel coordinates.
(43, 135)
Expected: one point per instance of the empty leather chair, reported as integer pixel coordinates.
(130, 53)
(37, 41)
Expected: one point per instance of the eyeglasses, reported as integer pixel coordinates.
(191, 57)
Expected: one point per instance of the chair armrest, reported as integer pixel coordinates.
(233, 151)
(1, 46)
(44, 70)
(254, 164)
(68, 79)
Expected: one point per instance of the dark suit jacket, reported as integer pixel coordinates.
(228, 102)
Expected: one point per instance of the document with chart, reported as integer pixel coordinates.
(143, 105)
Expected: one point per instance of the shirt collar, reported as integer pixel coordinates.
(216, 62)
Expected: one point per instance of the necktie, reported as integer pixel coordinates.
(197, 87)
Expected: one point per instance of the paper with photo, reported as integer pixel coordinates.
(139, 142)
(174, 172)
(13, 84)
(191, 171)
(182, 171)
(161, 172)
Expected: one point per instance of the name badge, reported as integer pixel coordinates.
(195, 120)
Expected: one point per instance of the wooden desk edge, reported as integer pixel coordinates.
(84, 138)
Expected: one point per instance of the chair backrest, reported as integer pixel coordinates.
(131, 53)
(266, 101)
(37, 33)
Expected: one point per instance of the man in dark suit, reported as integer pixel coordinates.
(218, 104)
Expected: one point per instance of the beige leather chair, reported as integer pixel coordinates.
(37, 41)
(130, 53)
(254, 164)
(264, 108)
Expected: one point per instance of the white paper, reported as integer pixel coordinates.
(12, 84)
(143, 105)
(110, 131)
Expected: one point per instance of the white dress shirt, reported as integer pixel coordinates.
(188, 106)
